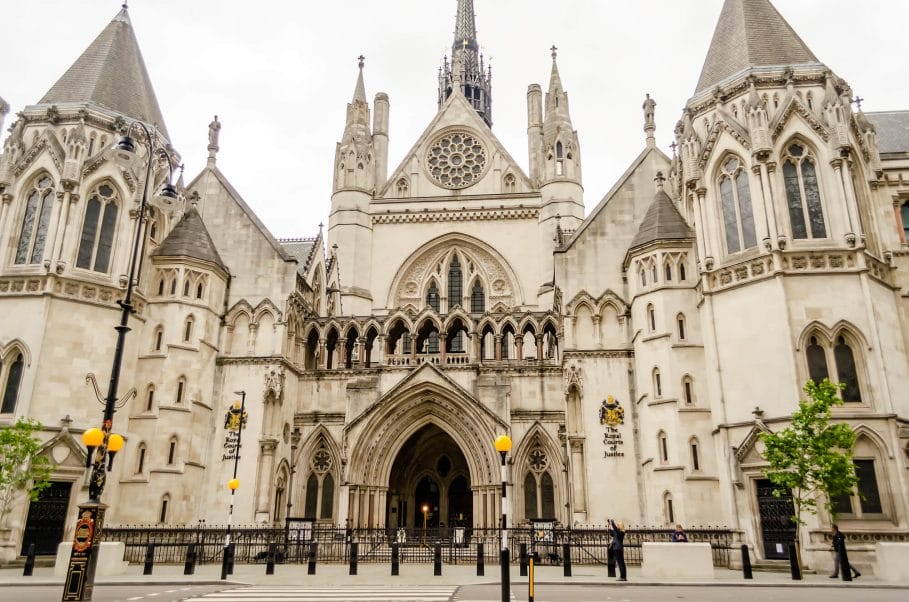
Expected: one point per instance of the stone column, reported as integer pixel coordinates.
(266, 468)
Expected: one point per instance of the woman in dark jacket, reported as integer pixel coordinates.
(617, 530)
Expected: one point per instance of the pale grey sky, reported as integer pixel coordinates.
(279, 73)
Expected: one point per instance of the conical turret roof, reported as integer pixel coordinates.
(190, 238)
(111, 74)
(661, 222)
(751, 33)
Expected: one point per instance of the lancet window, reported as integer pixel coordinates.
(803, 197)
(98, 228)
(738, 217)
(35, 221)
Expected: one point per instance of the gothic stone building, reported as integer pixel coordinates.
(633, 354)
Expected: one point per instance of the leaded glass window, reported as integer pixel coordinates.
(312, 495)
(11, 391)
(432, 297)
(845, 369)
(328, 496)
(98, 230)
(477, 298)
(817, 361)
(904, 214)
(33, 235)
(455, 285)
(530, 496)
(803, 197)
(738, 217)
(869, 494)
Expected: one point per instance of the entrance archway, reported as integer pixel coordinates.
(430, 470)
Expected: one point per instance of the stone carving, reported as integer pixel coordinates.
(456, 160)
(274, 383)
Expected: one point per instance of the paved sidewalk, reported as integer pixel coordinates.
(418, 574)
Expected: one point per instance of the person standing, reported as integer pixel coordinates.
(617, 545)
(839, 542)
(679, 534)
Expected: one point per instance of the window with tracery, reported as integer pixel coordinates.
(738, 217)
(98, 228)
(803, 197)
(477, 298)
(33, 234)
(842, 369)
(11, 379)
(456, 160)
(320, 485)
(539, 491)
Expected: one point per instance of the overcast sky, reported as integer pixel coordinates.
(279, 73)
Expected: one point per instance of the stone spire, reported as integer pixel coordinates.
(467, 72)
(751, 33)
(560, 141)
(190, 238)
(360, 88)
(111, 74)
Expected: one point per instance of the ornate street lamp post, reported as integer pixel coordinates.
(235, 421)
(503, 446)
(80, 574)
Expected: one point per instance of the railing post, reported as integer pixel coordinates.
(746, 562)
(313, 551)
(189, 566)
(29, 561)
(523, 560)
(354, 548)
(395, 560)
(480, 568)
(270, 560)
(794, 567)
(566, 559)
(149, 559)
(437, 559)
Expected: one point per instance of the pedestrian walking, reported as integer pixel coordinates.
(617, 545)
(679, 535)
(839, 542)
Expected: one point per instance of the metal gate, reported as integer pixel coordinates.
(777, 528)
(47, 518)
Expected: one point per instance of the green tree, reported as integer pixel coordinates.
(811, 459)
(22, 466)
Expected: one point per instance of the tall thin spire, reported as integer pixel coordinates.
(467, 73)
(360, 89)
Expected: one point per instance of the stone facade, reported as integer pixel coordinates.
(633, 354)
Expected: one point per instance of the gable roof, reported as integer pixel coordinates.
(892, 130)
(661, 222)
(111, 74)
(751, 33)
(190, 238)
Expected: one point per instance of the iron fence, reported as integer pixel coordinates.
(587, 545)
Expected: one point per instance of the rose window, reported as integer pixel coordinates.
(321, 460)
(538, 460)
(456, 160)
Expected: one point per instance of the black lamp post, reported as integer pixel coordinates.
(503, 446)
(80, 574)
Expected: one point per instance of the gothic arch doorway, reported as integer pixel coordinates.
(429, 474)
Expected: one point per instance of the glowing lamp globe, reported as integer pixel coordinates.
(92, 437)
(503, 444)
(233, 484)
(115, 443)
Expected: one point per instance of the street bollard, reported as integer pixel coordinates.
(29, 561)
(566, 559)
(354, 548)
(610, 562)
(523, 560)
(845, 568)
(437, 559)
(794, 567)
(230, 559)
(270, 560)
(481, 570)
(149, 559)
(313, 551)
(395, 560)
(746, 562)
(189, 565)
(225, 560)
(530, 582)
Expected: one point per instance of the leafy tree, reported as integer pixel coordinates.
(22, 467)
(811, 459)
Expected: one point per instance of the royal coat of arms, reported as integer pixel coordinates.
(612, 413)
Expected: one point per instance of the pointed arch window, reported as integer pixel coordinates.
(150, 398)
(35, 221)
(643, 277)
(158, 339)
(161, 287)
(695, 448)
(186, 285)
(682, 269)
(803, 197)
(668, 508)
(455, 283)
(188, 329)
(140, 459)
(657, 384)
(320, 485)
(560, 168)
(539, 489)
(688, 390)
(680, 321)
(181, 390)
(738, 218)
(817, 361)
(651, 317)
(477, 298)
(172, 451)
(668, 271)
(199, 290)
(165, 502)
(868, 500)
(13, 375)
(663, 447)
(432, 297)
(98, 228)
(401, 187)
(845, 370)
(509, 183)
(835, 360)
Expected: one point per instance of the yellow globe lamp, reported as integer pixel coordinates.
(233, 484)
(503, 444)
(92, 437)
(115, 443)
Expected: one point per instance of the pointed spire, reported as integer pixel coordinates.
(555, 81)
(190, 238)
(556, 98)
(751, 33)
(662, 222)
(360, 89)
(465, 27)
(111, 74)
(467, 72)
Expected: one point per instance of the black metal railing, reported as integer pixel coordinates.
(589, 545)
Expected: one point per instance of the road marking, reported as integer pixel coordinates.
(353, 593)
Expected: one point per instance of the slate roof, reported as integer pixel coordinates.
(301, 250)
(661, 222)
(190, 238)
(892, 130)
(111, 74)
(751, 33)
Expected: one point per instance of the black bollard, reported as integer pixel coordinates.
(794, 567)
(845, 568)
(270, 560)
(610, 562)
(230, 559)
(395, 560)
(313, 550)
(149, 559)
(29, 561)
(566, 559)
(481, 570)
(189, 566)
(523, 560)
(746, 562)
(437, 559)
(354, 548)
(225, 560)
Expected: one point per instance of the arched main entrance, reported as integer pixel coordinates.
(430, 474)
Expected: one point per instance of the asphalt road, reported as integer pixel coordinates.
(109, 593)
